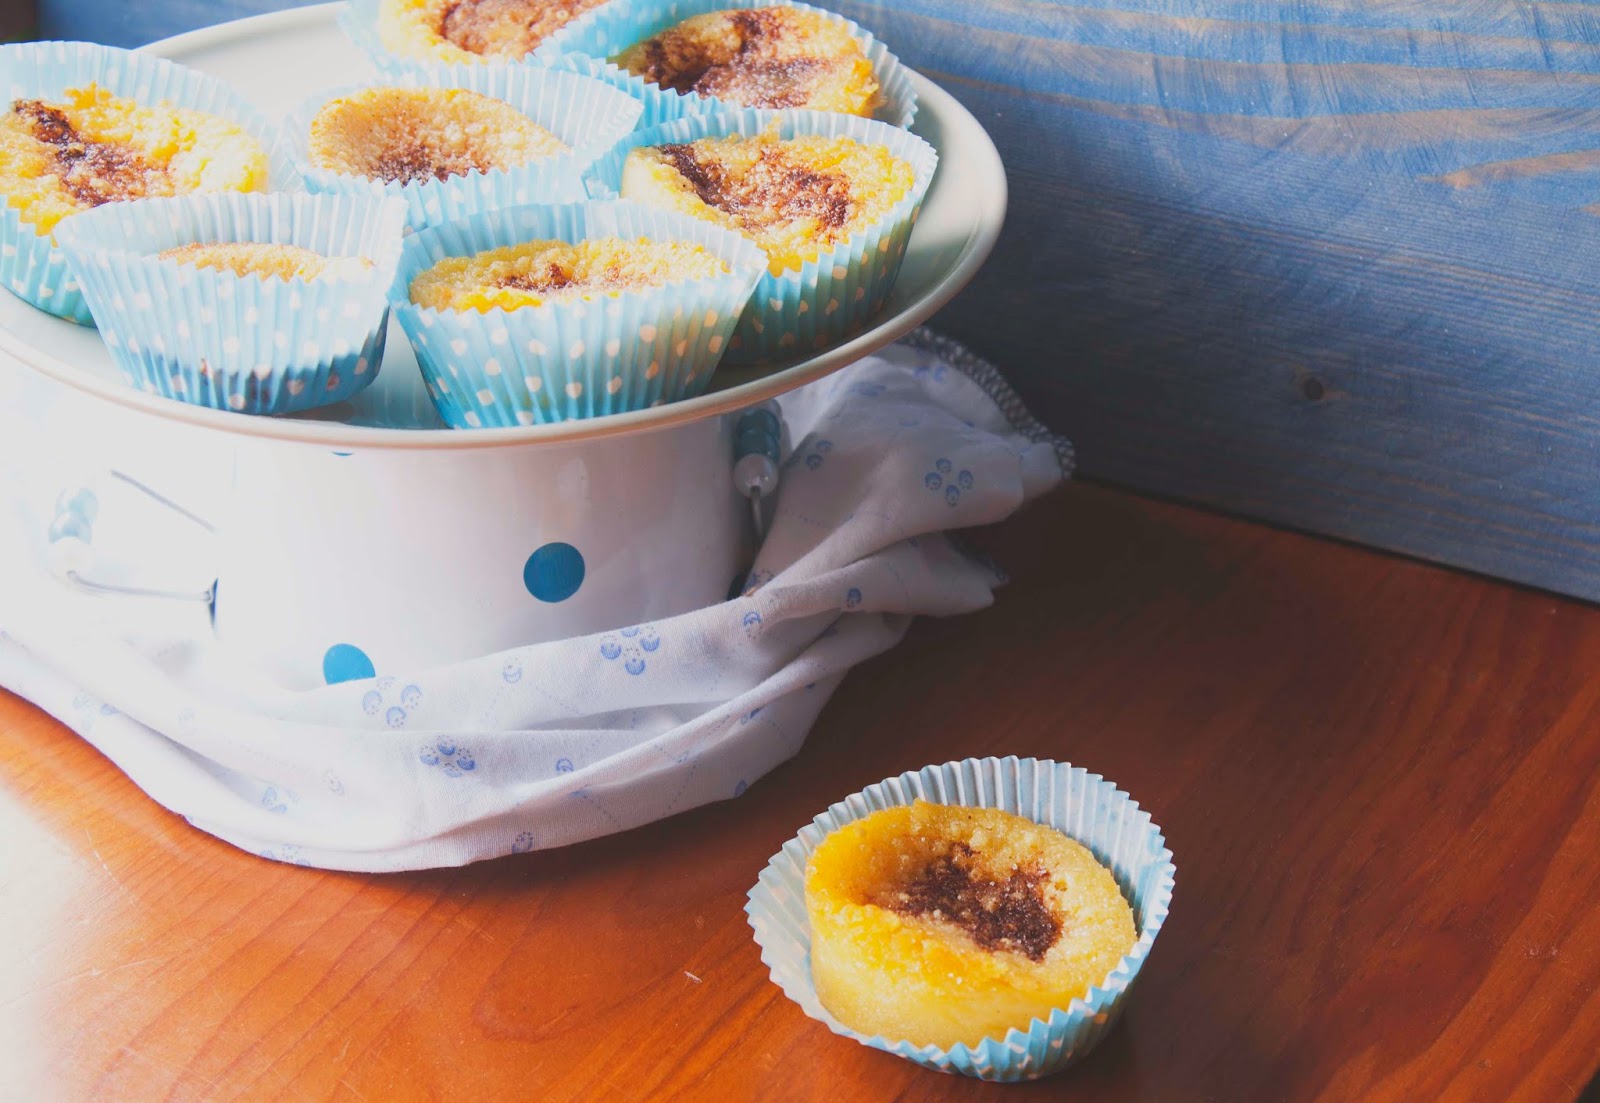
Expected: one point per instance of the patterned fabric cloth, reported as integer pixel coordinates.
(559, 742)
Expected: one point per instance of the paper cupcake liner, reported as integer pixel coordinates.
(804, 310)
(1082, 805)
(573, 359)
(659, 105)
(31, 266)
(606, 31)
(243, 343)
(588, 115)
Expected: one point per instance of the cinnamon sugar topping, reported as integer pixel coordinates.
(1006, 915)
(775, 189)
(91, 172)
(777, 57)
(509, 28)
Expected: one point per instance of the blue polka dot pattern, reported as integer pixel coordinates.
(345, 662)
(554, 572)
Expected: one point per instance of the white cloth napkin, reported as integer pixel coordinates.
(559, 742)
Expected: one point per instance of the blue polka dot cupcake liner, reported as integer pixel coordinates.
(1068, 798)
(575, 359)
(31, 265)
(802, 311)
(606, 31)
(588, 115)
(249, 344)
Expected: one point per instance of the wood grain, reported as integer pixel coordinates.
(1380, 781)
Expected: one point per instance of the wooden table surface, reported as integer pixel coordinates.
(1379, 780)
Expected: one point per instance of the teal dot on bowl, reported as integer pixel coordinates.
(554, 572)
(345, 662)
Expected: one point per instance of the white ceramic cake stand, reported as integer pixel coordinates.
(372, 527)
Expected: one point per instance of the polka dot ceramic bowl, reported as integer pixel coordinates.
(31, 266)
(248, 344)
(574, 359)
(804, 310)
(588, 115)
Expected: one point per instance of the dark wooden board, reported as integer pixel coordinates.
(1330, 263)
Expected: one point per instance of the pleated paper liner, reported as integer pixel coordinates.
(1073, 801)
(804, 310)
(31, 266)
(588, 115)
(606, 31)
(248, 344)
(573, 359)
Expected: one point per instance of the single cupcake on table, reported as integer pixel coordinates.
(460, 140)
(946, 916)
(829, 199)
(90, 125)
(695, 56)
(944, 925)
(256, 304)
(537, 314)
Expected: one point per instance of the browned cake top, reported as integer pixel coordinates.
(776, 188)
(506, 27)
(998, 915)
(92, 172)
(774, 57)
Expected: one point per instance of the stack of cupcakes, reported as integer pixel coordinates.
(573, 208)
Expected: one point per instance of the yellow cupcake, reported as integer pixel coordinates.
(93, 147)
(250, 258)
(414, 135)
(457, 31)
(939, 924)
(794, 197)
(774, 57)
(537, 272)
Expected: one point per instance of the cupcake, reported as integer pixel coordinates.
(256, 258)
(460, 140)
(769, 54)
(457, 32)
(88, 126)
(985, 917)
(946, 925)
(829, 199)
(258, 304)
(537, 314)
(776, 58)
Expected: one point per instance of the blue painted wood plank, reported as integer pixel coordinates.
(1377, 324)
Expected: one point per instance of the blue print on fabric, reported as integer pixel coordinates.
(447, 756)
(523, 843)
(818, 451)
(399, 708)
(631, 645)
(953, 483)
